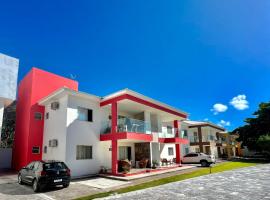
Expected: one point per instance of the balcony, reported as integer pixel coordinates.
(127, 125)
(127, 128)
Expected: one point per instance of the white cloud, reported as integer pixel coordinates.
(224, 123)
(205, 119)
(218, 107)
(239, 102)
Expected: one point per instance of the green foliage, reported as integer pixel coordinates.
(8, 126)
(252, 134)
(264, 143)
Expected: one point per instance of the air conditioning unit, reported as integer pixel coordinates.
(53, 143)
(55, 105)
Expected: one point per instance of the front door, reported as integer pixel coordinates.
(124, 153)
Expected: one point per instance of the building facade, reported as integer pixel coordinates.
(57, 122)
(209, 138)
(8, 83)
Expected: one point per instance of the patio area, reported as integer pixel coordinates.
(136, 173)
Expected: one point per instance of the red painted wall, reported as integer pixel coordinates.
(36, 85)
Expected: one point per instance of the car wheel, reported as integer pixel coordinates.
(65, 185)
(204, 163)
(35, 186)
(20, 179)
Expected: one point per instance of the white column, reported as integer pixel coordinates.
(1, 116)
(147, 119)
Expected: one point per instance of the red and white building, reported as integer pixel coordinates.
(56, 121)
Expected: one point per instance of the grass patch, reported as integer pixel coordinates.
(200, 172)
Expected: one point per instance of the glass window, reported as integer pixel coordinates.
(30, 165)
(84, 152)
(45, 149)
(186, 150)
(54, 165)
(170, 151)
(35, 150)
(169, 129)
(38, 116)
(85, 114)
(47, 115)
(36, 166)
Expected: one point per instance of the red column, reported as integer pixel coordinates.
(114, 157)
(114, 117)
(114, 141)
(177, 146)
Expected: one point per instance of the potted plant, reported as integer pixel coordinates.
(154, 164)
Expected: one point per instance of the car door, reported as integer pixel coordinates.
(33, 171)
(186, 158)
(194, 158)
(26, 172)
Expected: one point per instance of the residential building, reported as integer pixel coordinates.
(228, 146)
(202, 136)
(55, 121)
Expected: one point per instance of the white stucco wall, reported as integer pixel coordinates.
(164, 152)
(55, 128)
(83, 133)
(8, 76)
(1, 116)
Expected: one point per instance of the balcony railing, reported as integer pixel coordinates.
(127, 125)
(193, 139)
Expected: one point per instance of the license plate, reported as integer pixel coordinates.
(57, 180)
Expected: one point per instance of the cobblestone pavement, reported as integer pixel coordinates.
(246, 183)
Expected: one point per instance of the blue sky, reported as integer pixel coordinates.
(189, 54)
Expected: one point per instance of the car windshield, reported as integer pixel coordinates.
(54, 166)
(203, 154)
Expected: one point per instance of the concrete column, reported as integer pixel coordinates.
(176, 125)
(1, 116)
(114, 141)
(200, 139)
(147, 119)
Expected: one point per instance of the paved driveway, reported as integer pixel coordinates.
(246, 183)
(11, 190)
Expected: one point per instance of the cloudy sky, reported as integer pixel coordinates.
(208, 58)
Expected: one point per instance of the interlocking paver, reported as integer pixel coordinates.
(246, 183)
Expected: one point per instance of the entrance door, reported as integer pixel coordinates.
(207, 150)
(124, 153)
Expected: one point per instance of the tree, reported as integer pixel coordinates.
(255, 134)
(8, 128)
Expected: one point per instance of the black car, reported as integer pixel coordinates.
(41, 174)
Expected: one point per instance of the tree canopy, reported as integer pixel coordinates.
(255, 134)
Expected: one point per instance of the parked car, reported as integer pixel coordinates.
(41, 174)
(199, 158)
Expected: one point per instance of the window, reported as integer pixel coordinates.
(45, 149)
(186, 150)
(170, 151)
(169, 129)
(35, 150)
(47, 115)
(85, 114)
(30, 166)
(124, 153)
(38, 116)
(191, 155)
(36, 165)
(84, 152)
(184, 133)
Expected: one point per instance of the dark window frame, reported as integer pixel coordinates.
(37, 147)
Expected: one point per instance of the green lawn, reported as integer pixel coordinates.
(200, 172)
